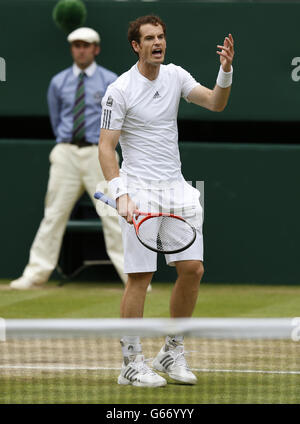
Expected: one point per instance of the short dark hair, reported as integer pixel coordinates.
(134, 26)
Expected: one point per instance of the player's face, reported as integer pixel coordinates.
(152, 46)
(84, 53)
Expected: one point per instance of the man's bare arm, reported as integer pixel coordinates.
(107, 153)
(214, 100)
(107, 157)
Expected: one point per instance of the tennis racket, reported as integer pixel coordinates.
(160, 232)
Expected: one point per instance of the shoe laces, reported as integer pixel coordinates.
(142, 367)
(179, 358)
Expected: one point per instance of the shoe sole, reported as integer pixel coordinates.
(158, 367)
(31, 287)
(124, 382)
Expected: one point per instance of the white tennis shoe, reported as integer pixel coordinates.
(137, 373)
(173, 363)
(23, 283)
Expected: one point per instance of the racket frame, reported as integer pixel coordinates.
(148, 215)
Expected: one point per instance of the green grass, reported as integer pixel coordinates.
(239, 389)
(91, 300)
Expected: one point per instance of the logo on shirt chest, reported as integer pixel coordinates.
(154, 105)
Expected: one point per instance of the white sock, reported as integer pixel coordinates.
(131, 346)
(172, 342)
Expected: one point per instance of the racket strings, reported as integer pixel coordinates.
(166, 234)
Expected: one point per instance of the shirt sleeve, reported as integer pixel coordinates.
(113, 109)
(54, 106)
(187, 83)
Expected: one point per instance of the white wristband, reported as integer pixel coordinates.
(224, 79)
(117, 187)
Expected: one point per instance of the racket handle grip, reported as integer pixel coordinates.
(107, 200)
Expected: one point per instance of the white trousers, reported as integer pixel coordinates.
(72, 171)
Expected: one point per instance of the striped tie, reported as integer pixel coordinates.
(78, 110)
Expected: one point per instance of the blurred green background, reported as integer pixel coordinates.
(266, 37)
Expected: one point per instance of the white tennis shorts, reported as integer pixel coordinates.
(180, 199)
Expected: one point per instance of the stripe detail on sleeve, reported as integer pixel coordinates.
(106, 119)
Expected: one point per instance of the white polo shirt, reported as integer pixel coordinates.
(146, 113)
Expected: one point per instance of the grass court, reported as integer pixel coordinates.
(86, 370)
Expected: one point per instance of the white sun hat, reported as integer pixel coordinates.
(84, 34)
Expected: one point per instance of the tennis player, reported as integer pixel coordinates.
(140, 110)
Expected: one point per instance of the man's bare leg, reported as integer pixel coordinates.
(134, 370)
(132, 304)
(170, 359)
(185, 292)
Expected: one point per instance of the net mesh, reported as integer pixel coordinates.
(166, 234)
(80, 363)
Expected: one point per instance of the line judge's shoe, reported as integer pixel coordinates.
(173, 363)
(137, 373)
(24, 283)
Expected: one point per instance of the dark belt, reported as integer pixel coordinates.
(81, 143)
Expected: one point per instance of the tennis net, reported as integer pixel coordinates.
(79, 360)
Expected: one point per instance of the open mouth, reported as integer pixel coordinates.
(157, 53)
